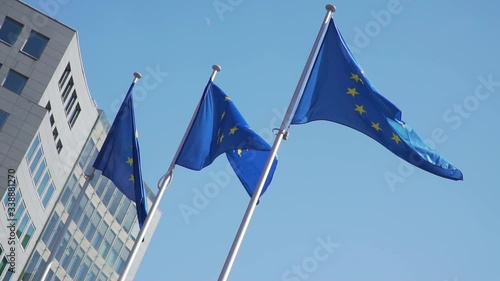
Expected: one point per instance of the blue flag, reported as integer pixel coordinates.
(119, 158)
(220, 128)
(338, 91)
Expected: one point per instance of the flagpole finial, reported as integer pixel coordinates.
(216, 68)
(330, 8)
(137, 76)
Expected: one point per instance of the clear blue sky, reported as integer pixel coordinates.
(331, 180)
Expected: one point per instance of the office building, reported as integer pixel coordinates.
(50, 133)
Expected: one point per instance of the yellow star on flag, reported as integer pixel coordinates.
(360, 109)
(227, 98)
(376, 126)
(352, 92)
(130, 161)
(223, 114)
(355, 77)
(239, 151)
(395, 138)
(131, 178)
(233, 130)
(220, 138)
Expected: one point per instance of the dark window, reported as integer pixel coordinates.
(70, 103)
(67, 90)
(64, 76)
(15, 81)
(3, 117)
(35, 44)
(48, 106)
(59, 146)
(52, 121)
(10, 30)
(74, 115)
(55, 133)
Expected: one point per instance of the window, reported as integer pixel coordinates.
(76, 263)
(129, 219)
(22, 226)
(107, 196)
(121, 261)
(122, 211)
(86, 152)
(93, 226)
(62, 245)
(82, 273)
(67, 89)
(64, 76)
(36, 160)
(52, 121)
(70, 103)
(31, 266)
(3, 265)
(33, 147)
(99, 235)
(59, 146)
(106, 245)
(15, 81)
(94, 271)
(68, 190)
(10, 30)
(115, 203)
(69, 254)
(55, 133)
(48, 195)
(39, 171)
(74, 115)
(35, 44)
(48, 106)
(80, 208)
(72, 199)
(86, 218)
(43, 184)
(50, 228)
(27, 236)
(3, 117)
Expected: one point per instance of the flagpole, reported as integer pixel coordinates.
(71, 214)
(282, 134)
(163, 183)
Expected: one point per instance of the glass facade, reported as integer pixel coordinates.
(101, 233)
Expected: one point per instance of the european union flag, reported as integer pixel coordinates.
(220, 128)
(338, 91)
(119, 158)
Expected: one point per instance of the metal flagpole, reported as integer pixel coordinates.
(71, 214)
(282, 134)
(163, 183)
